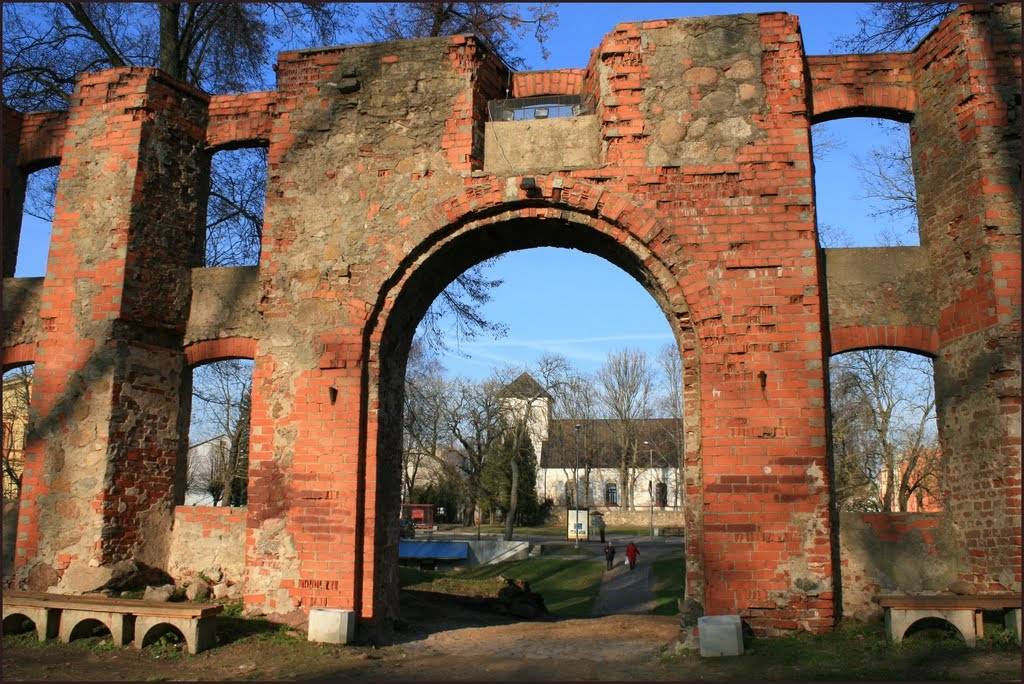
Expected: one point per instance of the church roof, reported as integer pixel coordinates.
(598, 446)
(523, 387)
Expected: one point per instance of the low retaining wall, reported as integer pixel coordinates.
(488, 551)
(895, 552)
(206, 538)
(639, 517)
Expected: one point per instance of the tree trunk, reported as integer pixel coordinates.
(170, 59)
(513, 499)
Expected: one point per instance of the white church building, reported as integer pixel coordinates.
(589, 452)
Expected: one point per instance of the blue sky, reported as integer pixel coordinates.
(569, 302)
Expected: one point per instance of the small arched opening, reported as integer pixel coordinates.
(18, 623)
(164, 636)
(89, 628)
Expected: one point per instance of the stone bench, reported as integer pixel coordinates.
(963, 612)
(129, 620)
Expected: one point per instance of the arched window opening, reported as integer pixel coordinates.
(218, 452)
(234, 212)
(562, 396)
(865, 193)
(885, 445)
(36, 223)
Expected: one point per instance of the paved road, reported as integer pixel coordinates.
(632, 591)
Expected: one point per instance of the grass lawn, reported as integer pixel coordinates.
(860, 652)
(569, 587)
(669, 575)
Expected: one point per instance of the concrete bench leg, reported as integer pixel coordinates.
(121, 625)
(898, 620)
(200, 634)
(1012, 621)
(46, 620)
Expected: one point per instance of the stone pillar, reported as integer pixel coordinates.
(13, 193)
(966, 148)
(109, 420)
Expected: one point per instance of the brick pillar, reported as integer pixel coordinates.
(13, 192)
(966, 148)
(110, 400)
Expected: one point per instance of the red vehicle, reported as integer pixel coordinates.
(422, 515)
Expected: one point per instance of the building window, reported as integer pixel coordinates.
(611, 494)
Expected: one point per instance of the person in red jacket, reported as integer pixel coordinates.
(631, 553)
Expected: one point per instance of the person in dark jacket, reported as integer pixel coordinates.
(609, 554)
(631, 553)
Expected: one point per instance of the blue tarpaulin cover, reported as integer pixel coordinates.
(408, 548)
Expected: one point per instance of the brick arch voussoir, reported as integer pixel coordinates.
(919, 339)
(688, 295)
(18, 355)
(220, 349)
(898, 103)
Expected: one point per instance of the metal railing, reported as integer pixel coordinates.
(541, 107)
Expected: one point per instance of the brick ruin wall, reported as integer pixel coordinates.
(381, 190)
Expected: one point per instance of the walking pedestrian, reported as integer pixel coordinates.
(631, 553)
(609, 554)
(599, 524)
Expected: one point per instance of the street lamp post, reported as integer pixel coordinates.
(576, 488)
(650, 484)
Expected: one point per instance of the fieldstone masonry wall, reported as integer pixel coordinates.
(886, 552)
(379, 193)
(207, 540)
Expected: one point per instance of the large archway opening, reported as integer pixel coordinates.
(427, 274)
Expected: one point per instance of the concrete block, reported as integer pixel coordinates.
(332, 625)
(720, 635)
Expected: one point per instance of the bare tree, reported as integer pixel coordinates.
(884, 440)
(890, 26)
(219, 47)
(225, 47)
(500, 25)
(887, 180)
(424, 418)
(626, 383)
(473, 417)
(17, 402)
(576, 400)
(221, 403)
(670, 404)
(234, 212)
